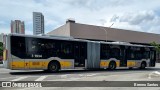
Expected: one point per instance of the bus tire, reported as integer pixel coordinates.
(130, 68)
(53, 66)
(112, 65)
(143, 65)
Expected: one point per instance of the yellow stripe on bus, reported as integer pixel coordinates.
(131, 63)
(117, 63)
(65, 64)
(106, 63)
(17, 64)
(37, 64)
(30, 64)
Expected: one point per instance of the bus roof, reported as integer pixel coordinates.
(74, 39)
(126, 44)
(50, 37)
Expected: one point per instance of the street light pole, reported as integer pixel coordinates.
(106, 30)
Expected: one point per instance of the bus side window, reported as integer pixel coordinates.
(36, 48)
(34, 45)
(130, 54)
(138, 55)
(18, 46)
(67, 50)
(50, 49)
(105, 52)
(146, 55)
(115, 53)
(152, 55)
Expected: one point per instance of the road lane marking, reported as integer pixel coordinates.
(68, 79)
(90, 75)
(7, 78)
(41, 78)
(63, 76)
(155, 73)
(18, 79)
(87, 75)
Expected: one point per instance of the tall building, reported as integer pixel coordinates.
(1, 37)
(38, 23)
(17, 26)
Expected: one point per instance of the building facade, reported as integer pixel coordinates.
(17, 26)
(92, 32)
(38, 23)
(99, 33)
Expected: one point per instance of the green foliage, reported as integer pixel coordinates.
(1, 49)
(156, 45)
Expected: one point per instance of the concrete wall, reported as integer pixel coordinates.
(97, 32)
(87, 32)
(84, 31)
(61, 31)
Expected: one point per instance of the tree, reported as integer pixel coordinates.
(156, 45)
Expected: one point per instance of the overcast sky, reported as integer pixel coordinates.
(138, 15)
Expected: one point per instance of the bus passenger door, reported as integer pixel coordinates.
(123, 55)
(79, 55)
(152, 58)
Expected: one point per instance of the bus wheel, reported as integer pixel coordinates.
(53, 67)
(112, 65)
(143, 65)
(130, 67)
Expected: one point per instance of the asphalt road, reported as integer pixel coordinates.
(1, 65)
(149, 74)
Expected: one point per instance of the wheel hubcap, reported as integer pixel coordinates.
(143, 65)
(112, 66)
(53, 67)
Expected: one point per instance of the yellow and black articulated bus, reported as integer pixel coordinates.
(54, 53)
